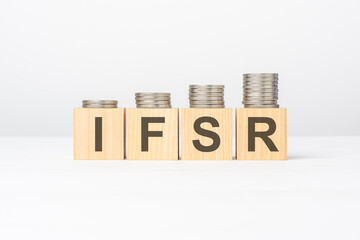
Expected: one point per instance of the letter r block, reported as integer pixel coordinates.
(261, 134)
(152, 134)
(99, 133)
(206, 134)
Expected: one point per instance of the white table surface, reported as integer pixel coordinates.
(45, 194)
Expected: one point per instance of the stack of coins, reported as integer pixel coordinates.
(260, 90)
(153, 100)
(99, 104)
(206, 96)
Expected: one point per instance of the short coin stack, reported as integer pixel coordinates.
(260, 90)
(99, 104)
(206, 96)
(153, 100)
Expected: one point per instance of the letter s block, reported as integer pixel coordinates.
(206, 134)
(152, 134)
(99, 133)
(261, 134)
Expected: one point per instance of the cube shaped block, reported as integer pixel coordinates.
(261, 134)
(99, 133)
(152, 134)
(206, 134)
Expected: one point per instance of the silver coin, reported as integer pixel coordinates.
(253, 82)
(259, 102)
(206, 90)
(260, 75)
(262, 103)
(152, 102)
(260, 98)
(206, 94)
(106, 103)
(260, 88)
(261, 106)
(100, 101)
(152, 99)
(251, 90)
(206, 98)
(260, 80)
(207, 106)
(163, 98)
(154, 106)
(257, 98)
(265, 91)
(99, 106)
(207, 102)
(206, 86)
(262, 93)
(260, 84)
(256, 80)
(152, 94)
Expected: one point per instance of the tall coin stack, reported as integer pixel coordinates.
(153, 100)
(99, 103)
(206, 96)
(260, 90)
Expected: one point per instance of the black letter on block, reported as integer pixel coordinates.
(145, 133)
(98, 134)
(206, 133)
(263, 135)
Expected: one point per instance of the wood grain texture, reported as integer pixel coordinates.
(262, 152)
(159, 148)
(113, 133)
(188, 134)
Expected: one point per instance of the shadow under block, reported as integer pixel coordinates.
(99, 133)
(261, 134)
(152, 134)
(206, 134)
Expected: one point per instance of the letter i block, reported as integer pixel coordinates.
(99, 133)
(261, 134)
(152, 134)
(206, 134)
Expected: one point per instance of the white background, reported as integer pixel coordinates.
(44, 194)
(53, 54)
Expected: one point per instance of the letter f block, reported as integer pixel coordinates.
(261, 134)
(152, 134)
(206, 134)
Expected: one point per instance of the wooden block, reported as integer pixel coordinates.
(261, 134)
(152, 134)
(206, 134)
(99, 133)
